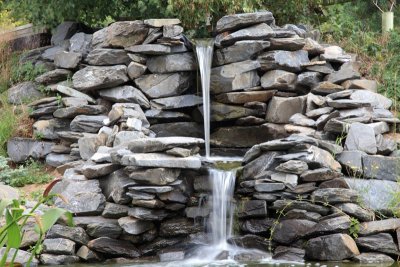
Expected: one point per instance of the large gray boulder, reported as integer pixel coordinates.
(63, 32)
(80, 43)
(106, 57)
(160, 160)
(121, 34)
(279, 79)
(189, 129)
(67, 60)
(83, 197)
(260, 31)
(280, 109)
(114, 247)
(240, 51)
(88, 124)
(238, 21)
(347, 71)
(162, 144)
(246, 136)
(284, 60)
(379, 167)
(92, 77)
(234, 76)
(376, 100)
(176, 102)
(53, 76)
(23, 92)
(172, 63)
(245, 97)
(289, 231)
(361, 137)
(21, 149)
(59, 246)
(125, 94)
(73, 111)
(334, 247)
(164, 85)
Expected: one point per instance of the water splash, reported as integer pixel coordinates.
(204, 51)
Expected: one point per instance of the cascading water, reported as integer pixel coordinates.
(223, 186)
(222, 181)
(204, 51)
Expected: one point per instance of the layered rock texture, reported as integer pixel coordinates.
(122, 124)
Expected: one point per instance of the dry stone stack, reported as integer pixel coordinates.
(122, 124)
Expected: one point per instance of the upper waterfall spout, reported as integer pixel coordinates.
(204, 51)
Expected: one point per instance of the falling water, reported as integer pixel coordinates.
(204, 51)
(223, 184)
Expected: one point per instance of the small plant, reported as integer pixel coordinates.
(354, 227)
(30, 173)
(59, 100)
(25, 72)
(44, 89)
(39, 136)
(16, 217)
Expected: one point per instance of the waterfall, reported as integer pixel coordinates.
(223, 185)
(204, 51)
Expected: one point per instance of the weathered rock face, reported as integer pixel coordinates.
(126, 136)
(91, 78)
(121, 34)
(23, 92)
(334, 247)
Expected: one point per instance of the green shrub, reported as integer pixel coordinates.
(8, 121)
(30, 173)
(25, 72)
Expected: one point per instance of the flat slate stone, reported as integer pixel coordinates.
(72, 112)
(376, 100)
(176, 102)
(235, 76)
(289, 231)
(382, 168)
(160, 160)
(93, 77)
(23, 92)
(373, 258)
(21, 149)
(88, 124)
(334, 247)
(374, 227)
(303, 205)
(114, 247)
(125, 94)
(244, 97)
(54, 76)
(280, 109)
(121, 34)
(59, 246)
(260, 31)
(67, 60)
(240, 51)
(280, 80)
(84, 197)
(382, 242)
(172, 63)
(76, 234)
(107, 57)
(74, 93)
(162, 143)
(164, 85)
(335, 195)
(283, 60)
(237, 21)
